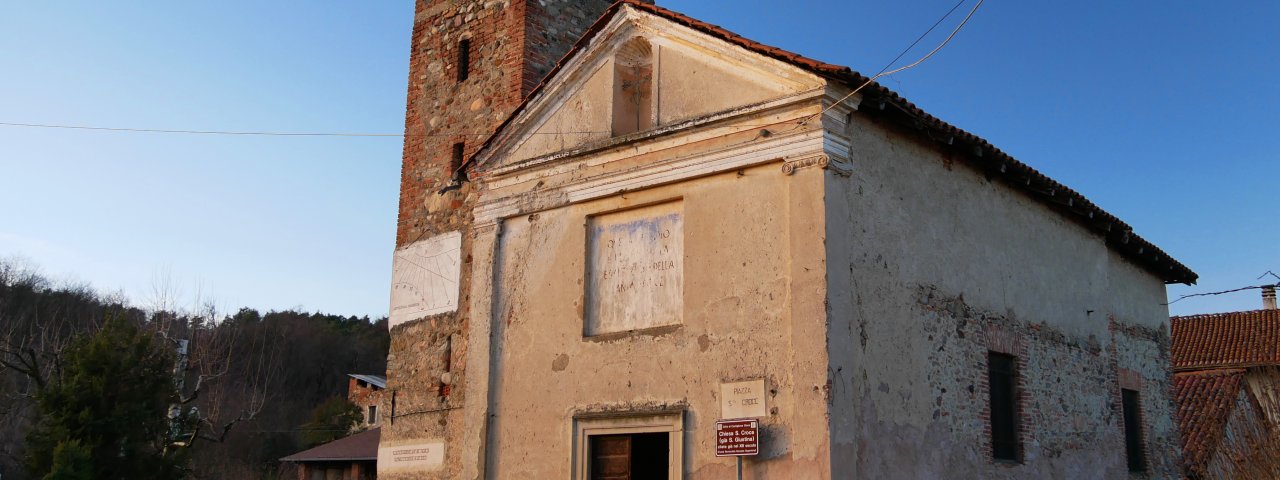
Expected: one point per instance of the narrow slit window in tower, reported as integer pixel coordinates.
(464, 59)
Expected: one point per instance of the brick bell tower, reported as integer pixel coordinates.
(471, 63)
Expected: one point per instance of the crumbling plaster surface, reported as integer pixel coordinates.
(752, 309)
(931, 265)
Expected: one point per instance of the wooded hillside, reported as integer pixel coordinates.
(249, 380)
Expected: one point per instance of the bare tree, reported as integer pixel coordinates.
(216, 351)
(38, 319)
(34, 330)
(1250, 445)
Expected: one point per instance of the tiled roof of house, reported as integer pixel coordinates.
(361, 446)
(884, 103)
(1225, 340)
(1205, 400)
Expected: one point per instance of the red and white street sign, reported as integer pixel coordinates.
(737, 438)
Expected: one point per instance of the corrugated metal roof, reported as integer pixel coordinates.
(361, 446)
(376, 380)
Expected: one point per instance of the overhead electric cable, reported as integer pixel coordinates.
(912, 64)
(269, 134)
(869, 81)
(921, 37)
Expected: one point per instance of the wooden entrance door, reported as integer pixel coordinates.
(611, 457)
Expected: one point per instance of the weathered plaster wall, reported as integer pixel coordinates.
(739, 322)
(931, 266)
(581, 119)
(692, 76)
(751, 305)
(691, 83)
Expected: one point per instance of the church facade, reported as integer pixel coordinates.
(678, 226)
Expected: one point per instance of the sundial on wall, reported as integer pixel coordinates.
(424, 278)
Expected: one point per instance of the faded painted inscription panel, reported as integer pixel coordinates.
(742, 399)
(424, 278)
(635, 269)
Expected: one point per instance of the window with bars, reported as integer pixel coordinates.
(1002, 380)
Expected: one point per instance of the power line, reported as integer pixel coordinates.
(911, 65)
(921, 37)
(881, 73)
(269, 134)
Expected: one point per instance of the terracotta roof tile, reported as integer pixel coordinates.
(1225, 340)
(1204, 401)
(361, 446)
(979, 153)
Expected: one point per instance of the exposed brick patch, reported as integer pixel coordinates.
(1130, 379)
(1001, 340)
(1068, 386)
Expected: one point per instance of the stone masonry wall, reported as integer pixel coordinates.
(513, 45)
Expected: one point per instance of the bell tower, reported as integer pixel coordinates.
(471, 62)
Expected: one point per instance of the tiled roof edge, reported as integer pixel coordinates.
(1241, 313)
(977, 152)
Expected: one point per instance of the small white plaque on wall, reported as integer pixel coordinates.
(424, 278)
(743, 399)
(410, 457)
(635, 269)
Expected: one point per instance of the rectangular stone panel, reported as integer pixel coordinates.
(424, 278)
(635, 269)
(408, 456)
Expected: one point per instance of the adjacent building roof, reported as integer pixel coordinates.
(376, 380)
(361, 446)
(881, 102)
(1225, 340)
(1205, 401)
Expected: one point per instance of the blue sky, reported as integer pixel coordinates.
(1161, 112)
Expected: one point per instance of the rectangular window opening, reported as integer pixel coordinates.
(1003, 382)
(464, 59)
(630, 457)
(455, 163)
(1133, 431)
(448, 353)
(373, 415)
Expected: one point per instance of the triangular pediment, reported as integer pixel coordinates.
(639, 72)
